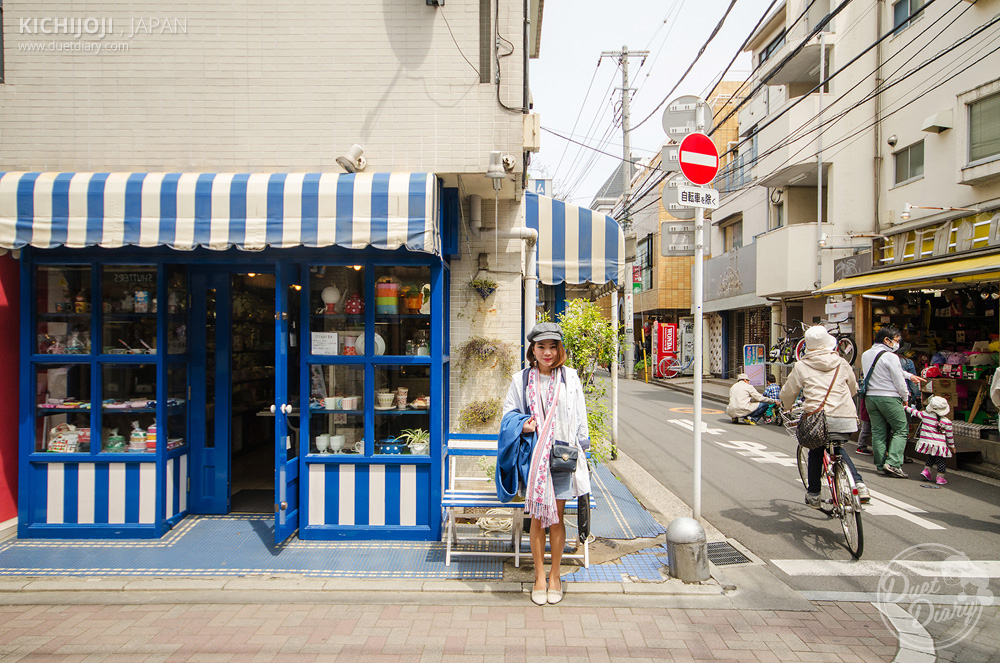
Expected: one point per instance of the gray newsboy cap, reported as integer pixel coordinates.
(545, 331)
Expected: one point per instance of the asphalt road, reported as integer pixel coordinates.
(751, 491)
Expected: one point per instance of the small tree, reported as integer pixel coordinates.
(589, 339)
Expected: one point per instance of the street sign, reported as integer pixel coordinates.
(670, 200)
(636, 278)
(677, 239)
(681, 116)
(668, 158)
(692, 196)
(699, 158)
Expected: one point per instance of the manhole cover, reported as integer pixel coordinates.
(722, 553)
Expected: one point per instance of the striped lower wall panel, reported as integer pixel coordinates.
(107, 493)
(368, 495)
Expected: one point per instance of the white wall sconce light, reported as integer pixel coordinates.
(353, 161)
(905, 214)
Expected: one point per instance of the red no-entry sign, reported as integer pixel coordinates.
(698, 158)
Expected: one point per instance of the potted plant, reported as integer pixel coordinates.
(418, 439)
(412, 297)
(480, 352)
(484, 286)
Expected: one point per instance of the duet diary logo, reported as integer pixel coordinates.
(941, 588)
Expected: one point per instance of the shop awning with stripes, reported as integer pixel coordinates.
(219, 210)
(575, 244)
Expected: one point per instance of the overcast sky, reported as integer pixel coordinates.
(575, 32)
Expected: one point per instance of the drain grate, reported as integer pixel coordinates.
(722, 553)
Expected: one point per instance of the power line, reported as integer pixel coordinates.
(701, 51)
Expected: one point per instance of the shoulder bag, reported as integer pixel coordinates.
(868, 376)
(811, 431)
(563, 456)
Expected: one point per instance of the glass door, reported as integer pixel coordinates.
(210, 392)
(286, 401)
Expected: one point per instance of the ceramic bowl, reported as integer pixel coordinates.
(385, 399)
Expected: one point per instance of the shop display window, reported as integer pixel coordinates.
(62, 408)
(177, 304)
(128, 407)
(403, 310)
(177, 390)
(63, 309)
(402, 409)
(336, 409)
(128, 296)
(337, 310)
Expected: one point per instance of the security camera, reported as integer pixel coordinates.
(509, 162)
(892, 140)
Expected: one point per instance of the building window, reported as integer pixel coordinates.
(644, 258)
(901, 11)
(779, 215)
(910, 163)
(775, 44)
(733, 235)
(984, 128)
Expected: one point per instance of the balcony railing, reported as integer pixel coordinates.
(736, 174)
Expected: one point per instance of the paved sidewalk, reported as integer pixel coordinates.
(325, 631)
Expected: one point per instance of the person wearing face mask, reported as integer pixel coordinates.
(885, 396)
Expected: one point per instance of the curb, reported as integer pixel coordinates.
(707, 396)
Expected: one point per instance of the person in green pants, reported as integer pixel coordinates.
(885, 397)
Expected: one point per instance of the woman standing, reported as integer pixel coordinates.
(548, 399)
(824, 377)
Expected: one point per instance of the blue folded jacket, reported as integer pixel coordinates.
(513, 456)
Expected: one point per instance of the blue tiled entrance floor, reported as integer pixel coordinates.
(243, 545)
(236, 546)
(643, 565)
(618, 514)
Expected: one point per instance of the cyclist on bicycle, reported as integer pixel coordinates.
(813, 375)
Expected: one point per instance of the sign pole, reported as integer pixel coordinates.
(699, 303)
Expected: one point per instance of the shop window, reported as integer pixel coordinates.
(337, 303)
(128, 407)
(62, 408)
(336, 409)
(910, 163)
(128, 297)
(63, 310)
(175, 433)
(984, 128)
(901, 11)
(402, 409)
(177, 304)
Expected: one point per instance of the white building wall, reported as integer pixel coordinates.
(256, 87)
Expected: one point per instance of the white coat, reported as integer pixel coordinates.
(742, 397)
(572, 392)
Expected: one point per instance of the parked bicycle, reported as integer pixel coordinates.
(670, 367)
(846, 346)
(838, 493)
(784, 348)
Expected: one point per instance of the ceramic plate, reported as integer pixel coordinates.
(388, 407)
(359, 345)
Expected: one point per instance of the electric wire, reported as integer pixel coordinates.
(579, 114)
(448, 25)
(701, 51)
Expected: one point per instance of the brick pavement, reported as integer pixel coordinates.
(323, 632)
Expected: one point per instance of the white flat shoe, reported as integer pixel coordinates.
(539, 596)
(554, 596)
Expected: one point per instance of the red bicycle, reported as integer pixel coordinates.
(838, 492)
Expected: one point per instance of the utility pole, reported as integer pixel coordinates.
(622, 57)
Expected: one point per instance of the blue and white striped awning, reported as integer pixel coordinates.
(219, 210)
(575, 244)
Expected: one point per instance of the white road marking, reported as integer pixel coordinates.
(915, 643)
(881, 504)
(756, 452)
(927, 569)
(689, 424)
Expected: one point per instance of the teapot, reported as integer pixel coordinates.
(354, 305)
(330, 296)
(391, 446)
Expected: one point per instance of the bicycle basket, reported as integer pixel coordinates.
(790, 421)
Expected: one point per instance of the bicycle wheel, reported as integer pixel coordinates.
(800, 348)
(849, 510)
(847, 348)
(670, 367)
(786, 356)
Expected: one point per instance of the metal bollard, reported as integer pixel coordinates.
(687, 550)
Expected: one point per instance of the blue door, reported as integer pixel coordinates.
(286, 400)
(210, 391)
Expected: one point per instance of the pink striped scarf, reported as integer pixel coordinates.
(540, 501)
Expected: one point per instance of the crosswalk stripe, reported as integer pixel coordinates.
(928, 569)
